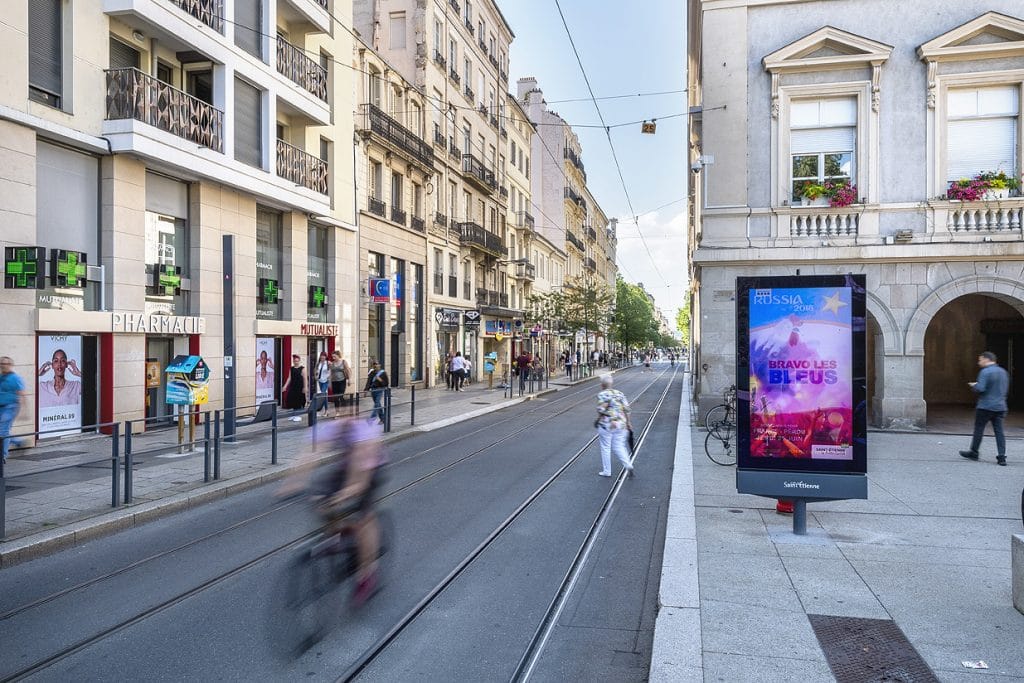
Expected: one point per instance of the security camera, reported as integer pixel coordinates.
(696, 167)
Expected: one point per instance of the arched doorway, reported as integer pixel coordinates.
(875, 368)
(956, 334)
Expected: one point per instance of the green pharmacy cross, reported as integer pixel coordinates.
(67, 268)
(317, 296)
(168, 280)
(269, 291)
(23, 267)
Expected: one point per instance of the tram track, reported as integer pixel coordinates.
(106, 632)
(371, 654)
(278, 508)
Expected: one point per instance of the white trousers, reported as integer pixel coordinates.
(613, 439)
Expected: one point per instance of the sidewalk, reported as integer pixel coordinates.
(929, 551)
(48, 508)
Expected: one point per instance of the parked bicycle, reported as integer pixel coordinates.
(720, 442)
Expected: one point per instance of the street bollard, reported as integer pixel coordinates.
(412, 406)
(3, 498)
(273, 435)
(128, 462)
(216, 450)
(115, 466)
(216, 434)
(206, 448)
(387, 410)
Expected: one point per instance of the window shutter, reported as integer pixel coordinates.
(249, 26)
(123, 56)
(248, 124)
(45, 45)
(981, 145)
(816, 140)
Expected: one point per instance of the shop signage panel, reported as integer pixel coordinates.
(23, 267)
(68, 268)
(265, 374)
(800, 378)
(166, 279)
(270, 292)
(380, 290)
(496, 327)
(318, 330)
(471, 319)
(317, 296)
(59, 384)
(448, 317)
(140, 323)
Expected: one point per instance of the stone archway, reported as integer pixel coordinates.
(1006, 290)
(882, 339)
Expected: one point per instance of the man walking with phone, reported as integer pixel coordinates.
(991, 386)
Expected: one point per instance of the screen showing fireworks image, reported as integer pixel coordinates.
(801, 373)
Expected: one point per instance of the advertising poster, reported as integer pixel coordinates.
(265, 375)
(59, 384)
(804, 389)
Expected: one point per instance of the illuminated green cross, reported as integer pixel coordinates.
(318, 296)
(71, 270)
(168, 280)
(21, 264)
(270, 291)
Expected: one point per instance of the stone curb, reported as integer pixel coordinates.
(677, 652)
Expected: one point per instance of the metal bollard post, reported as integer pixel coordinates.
(216, 461)
(128, 462)
(3, 498)
(115, 466)
(273, 435)
(412, 406)
(216, 434)
(206, 448)
(387, 410)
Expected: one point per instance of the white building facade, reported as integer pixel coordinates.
(901, 101)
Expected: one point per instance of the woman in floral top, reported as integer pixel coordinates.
(613, 426)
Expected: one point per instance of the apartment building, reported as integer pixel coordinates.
(455, 53)
(898, 103)
(395, 170)
(148, 146)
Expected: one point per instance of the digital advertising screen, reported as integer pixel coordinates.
(801, 373)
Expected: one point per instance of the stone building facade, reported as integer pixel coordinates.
(899, 100)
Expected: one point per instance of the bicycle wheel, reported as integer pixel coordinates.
(724, 430)
(716, 414)
(310, 587)
(721, 451)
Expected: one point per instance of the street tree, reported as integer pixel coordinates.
(581, 305)
(683, 322)
(634, 325)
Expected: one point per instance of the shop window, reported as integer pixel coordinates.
(269, 265)
(320, 308)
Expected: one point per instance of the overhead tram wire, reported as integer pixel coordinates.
(615, 156)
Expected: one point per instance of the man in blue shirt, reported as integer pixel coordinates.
(991, 387)
(12, 397)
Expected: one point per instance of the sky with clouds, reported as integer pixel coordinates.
(626, 49)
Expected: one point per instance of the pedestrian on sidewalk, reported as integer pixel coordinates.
(467, 371)
(294, 388)
(12, 400)
(991, 386)
(323, 379)
(523, 365)
(458, 367)
(340, 373)
(613, 426)
(376, 381)
(567, 361)
(447, 370)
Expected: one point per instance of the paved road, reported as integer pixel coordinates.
(451, 488)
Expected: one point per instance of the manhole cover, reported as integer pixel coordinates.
(869, 651)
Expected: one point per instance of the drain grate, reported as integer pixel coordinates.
(869, 651)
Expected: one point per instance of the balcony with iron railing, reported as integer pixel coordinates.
(295, 64)
(453, 149)
(482, 108)
(397, 215)
(590, 264)
(210, 12)
(482, 43)
(454, 75)
(376, 206)
(575, 241)
(504, 132)
(592, 234)
(418, 224)
(525, 219)
(440, 60)
(526, 271)
(469, 26)
(494, 121)
(493, 60)
(503, 191)
(301, 168)
(474, 171)
(574, 197)
(474, 235)
(503, 75)
(490, 297)
(132, 94)
(439, 138)
(468, 92)
(440, 219)
(396, 136)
